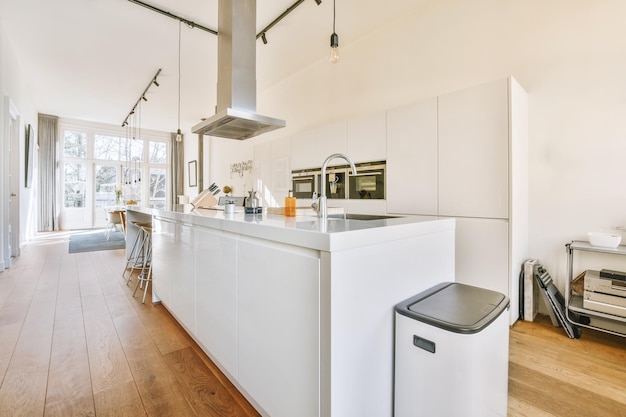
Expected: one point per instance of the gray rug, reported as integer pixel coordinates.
(92, 240)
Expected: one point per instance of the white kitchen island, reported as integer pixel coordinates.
(298, 314)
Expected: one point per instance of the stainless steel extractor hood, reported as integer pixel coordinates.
(235, 115)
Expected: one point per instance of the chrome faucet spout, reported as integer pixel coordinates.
(322, 204)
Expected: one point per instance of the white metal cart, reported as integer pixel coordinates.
(591, 319)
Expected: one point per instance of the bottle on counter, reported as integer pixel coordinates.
(252, 205)
(290, 205)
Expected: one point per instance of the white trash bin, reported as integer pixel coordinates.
(452, 353)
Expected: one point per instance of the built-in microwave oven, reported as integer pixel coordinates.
(304, 182)
(368, 183)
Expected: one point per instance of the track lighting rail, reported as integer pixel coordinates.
(173, 16)
(262, 34)
(153, 80)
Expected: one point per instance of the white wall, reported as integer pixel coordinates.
(222, 154)
(14, 87)
(567, 54)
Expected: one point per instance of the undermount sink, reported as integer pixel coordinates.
(354, 216)
(343, 222)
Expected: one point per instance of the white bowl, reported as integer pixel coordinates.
(605, 240)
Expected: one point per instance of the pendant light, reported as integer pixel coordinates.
(334, 41)
(179, 136)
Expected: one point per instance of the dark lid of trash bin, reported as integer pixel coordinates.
(455, 307)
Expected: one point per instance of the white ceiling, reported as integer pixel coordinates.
(92, 59)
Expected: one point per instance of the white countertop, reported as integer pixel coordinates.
(306, 231)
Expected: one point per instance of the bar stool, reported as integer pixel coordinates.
(137, 256)
(145, 277)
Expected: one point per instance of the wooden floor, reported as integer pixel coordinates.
(74, 342)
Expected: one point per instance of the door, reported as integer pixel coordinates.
(14, 186)
(106, 182)
(75, 173)
(76, 207)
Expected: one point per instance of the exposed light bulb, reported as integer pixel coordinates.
(179, 136)
(334, 48)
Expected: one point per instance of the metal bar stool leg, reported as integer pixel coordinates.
(145, 277)
(141, 254)
(137, 255)
(132, 257)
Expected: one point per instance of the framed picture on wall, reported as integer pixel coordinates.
(30, 155)
(193, 173)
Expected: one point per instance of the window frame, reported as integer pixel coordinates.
(92, 130)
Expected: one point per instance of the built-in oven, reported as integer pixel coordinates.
(369, 182)
(304, 182)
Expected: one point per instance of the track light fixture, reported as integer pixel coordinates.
(153, 80)
(263, 38)
(318, 2)
(334, 41)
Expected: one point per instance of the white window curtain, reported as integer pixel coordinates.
(177, 173)
(48, 141)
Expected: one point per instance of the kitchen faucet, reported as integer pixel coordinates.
(321, 206)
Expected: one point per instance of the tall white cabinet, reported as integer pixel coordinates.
(412, 158)
(464, 155)
(473, 144)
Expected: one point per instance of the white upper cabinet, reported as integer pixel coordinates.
(412, 158)
(332, 139)
(367, 138)
(304, 150)
(310, 148)
(474, 152)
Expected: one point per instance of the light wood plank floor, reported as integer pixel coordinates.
(74, 342)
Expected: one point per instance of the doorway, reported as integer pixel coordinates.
(12, 243)
(14, 201)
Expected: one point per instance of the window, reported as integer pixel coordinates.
(157, 188)
(107, 147)
(75, 184)
(98, 163)
(105, 185)
(75, 144)
(158, 153)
